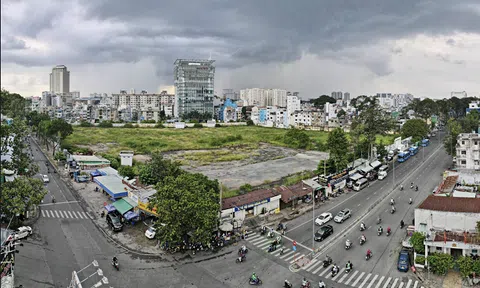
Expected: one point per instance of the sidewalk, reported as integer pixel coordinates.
(131, 238)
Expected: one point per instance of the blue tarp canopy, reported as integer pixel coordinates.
(130, 215)
(110, 208)
(95, 173)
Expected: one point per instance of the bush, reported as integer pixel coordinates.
(420, 260)
(85, 124)
(105, 124)
(197, 125)
(440, 263)
(127, 171)
(245, 188)
(296, 138)
(467, 266)
(417, 241)
(60, 156)
(218, 125)
(114, 161)
(159, 125)
(223, 140)
(250, 123)
(128, 125)
(148, 121)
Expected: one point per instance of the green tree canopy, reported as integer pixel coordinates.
(417, 241)
(127, 171)
(320, 101)
(12, 104)
(415, 128)
(450, 141)
(296, 138)
(155, 170)
(471, 122)
(13, 136)
(187, 205)
(17, 196)
(338, 146)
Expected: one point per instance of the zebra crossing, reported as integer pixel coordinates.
(64, 214)
(355, 278)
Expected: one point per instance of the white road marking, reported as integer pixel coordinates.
(70, 214)
(373, 281)
(409, 283)
(326, 270)
(343, 278)
(401, 285)
(295, 258)
(43, 213)
(350, 279)
(358, 279)
(318, 269)
(286, 254)
(61, 214)
(380, 282)
(56, 214)
(313, 266)
(394, 283)
(388, 281)
(415, 285)
(365, 281)
(277, 252)
(314, 261)
(83, 215)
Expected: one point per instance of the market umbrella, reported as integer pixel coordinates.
(227, 227)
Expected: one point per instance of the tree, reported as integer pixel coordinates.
(12, 104)
(471, 122)
(57, 131)
(244, 112)
(426, 108)
(381, 149)
(127, 171)
(417, 241)
(326, 167)
(320, 101)
(373, 119)
(20, 194)
(296, 138)
(440, 263)
(466, 265)
(105, 124)
(189, 205)
(157, 169)
(250, 123)
(415, 128)
(85, 124)
(450, 141)
(338, 146)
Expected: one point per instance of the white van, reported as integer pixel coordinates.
(382, 172)
(360, 184)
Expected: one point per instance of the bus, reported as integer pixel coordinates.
(425, 142)
(413, 150)
(403, 156)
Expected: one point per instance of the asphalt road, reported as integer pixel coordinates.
(424, 169)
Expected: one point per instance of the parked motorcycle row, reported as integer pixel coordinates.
(215, 243)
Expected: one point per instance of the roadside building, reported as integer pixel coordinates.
(237, 209)
(449, 224)
(89, 162)
(112, 185)
(141, 199)
(292, 195)
(468, 151)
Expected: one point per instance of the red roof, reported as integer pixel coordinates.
(293, 192)
(249, 198)
(451, 204)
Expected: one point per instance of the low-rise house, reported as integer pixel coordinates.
(449, 224)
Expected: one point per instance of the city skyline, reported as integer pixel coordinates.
(388, 46)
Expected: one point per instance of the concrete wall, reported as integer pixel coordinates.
(440, 220)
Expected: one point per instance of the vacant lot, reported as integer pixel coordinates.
(147, 140)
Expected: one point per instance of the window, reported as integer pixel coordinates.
(422, 228)
(464, 162)
(463, 142)
(464, 152)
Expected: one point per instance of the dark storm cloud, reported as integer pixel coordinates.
(238, 33)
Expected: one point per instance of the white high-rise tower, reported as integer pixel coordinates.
(60, 79)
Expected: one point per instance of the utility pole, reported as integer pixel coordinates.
(313, 223)
(220, 212)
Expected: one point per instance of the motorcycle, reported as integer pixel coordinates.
(348, 246)
(388, 233)
(348, 269)
(416, 188)
(321, 285)
(263, 232)
(255, 282)
(379, 232)
(53, 199)
(410, 201)
(242, 252)
(306, 285)
(282, 251)
(379, 220)
(287, 284)
(270, 234)
(362, 227)
(327, 263)
(368, 256)
(115, 264)
(362, 241)
(272, 248)
(334, 272)
(392, 211)
(241, 259)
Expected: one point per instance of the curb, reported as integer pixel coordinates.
(32, 221)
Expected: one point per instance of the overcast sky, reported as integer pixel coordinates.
(427, 48)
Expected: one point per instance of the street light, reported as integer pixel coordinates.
(76, 283)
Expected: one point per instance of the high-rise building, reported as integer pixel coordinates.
(194, 86)
(230, 94)
(264, 97)
(461, 94)
(346, 96)
(60, 79)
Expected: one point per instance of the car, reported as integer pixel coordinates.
(323, 218)
(23, 232)
(403, 261)
(343, 215)
(45, 179)
(323, 232)
(150, 233)
(114, 221)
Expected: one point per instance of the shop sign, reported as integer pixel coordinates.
(134, 197)
(144, 207)
(250, 205)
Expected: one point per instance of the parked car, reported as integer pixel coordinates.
(22, 232)
(343, 215)
(150, 233)
(114, 222)
(323, 218)
(323, 232)
(45, 179)
(403, 261)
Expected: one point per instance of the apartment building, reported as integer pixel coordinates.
(458, 94)
(143, 106)
(475, 105)
(194, 86)
(468, 151)
(60, 79)
(264, 97)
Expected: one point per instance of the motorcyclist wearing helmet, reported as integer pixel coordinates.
(348, 243)
(369, 253)
(114, 260)
(380, 229)
(254, 277)
(349, 265)
(389, 230)
(321, 284)
(304, 282)
(363, 238)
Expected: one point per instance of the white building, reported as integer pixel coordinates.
(36, 103)
(264, 97)
(468, 151)
(194, 86)
(457, 94)
(126, 158)
(144, 105)
(346, 97)
(60, 79)
(337, 95)
(449, 224)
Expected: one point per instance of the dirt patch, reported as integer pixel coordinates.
(98, 148)
(141, 158)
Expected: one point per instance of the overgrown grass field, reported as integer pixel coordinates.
(147, 140)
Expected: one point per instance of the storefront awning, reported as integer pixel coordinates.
(110, 208)
(130, 215)
(376, 164)
(122, 206)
